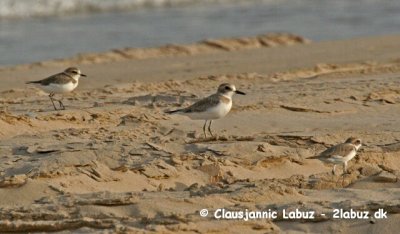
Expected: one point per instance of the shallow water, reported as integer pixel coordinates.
(31, 39)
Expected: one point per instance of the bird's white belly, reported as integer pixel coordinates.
(215, 112)
(59, 88)
(350, 156)
(340, 159)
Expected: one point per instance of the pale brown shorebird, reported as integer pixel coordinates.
(59, 83)
(340, 153)
(212, 107)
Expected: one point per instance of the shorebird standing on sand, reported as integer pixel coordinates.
(212, 107)
(340, 153)
(63, 82)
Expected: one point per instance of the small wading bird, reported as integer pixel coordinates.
(340, 153)
(212, 107)
(63, 82)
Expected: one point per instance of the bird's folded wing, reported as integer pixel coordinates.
(59, 78)
(203, 104)
(337, 151)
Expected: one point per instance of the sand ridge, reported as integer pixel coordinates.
(171, 50)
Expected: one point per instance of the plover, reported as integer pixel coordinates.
(212, 107)
(63, 82)
(340, 153)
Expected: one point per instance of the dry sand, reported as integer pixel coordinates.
(113, 161)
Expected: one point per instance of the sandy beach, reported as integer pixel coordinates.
(113, 161)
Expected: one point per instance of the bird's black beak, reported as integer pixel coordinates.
(240, 92)
(83, 75)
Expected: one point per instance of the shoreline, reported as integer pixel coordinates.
(158, 64)
(206, 46)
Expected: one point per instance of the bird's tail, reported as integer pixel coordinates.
(313, 157)
(173, 111)
(33, 82)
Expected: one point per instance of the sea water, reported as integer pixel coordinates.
(32, 31)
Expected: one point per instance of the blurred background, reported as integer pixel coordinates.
(38, 30)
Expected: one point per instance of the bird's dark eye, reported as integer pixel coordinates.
(227, 88)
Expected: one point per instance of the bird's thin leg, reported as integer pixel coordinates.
(61, 105)
(209, 128)
(333, 170)
(52, 101)
(345, 168)
(204, 129)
